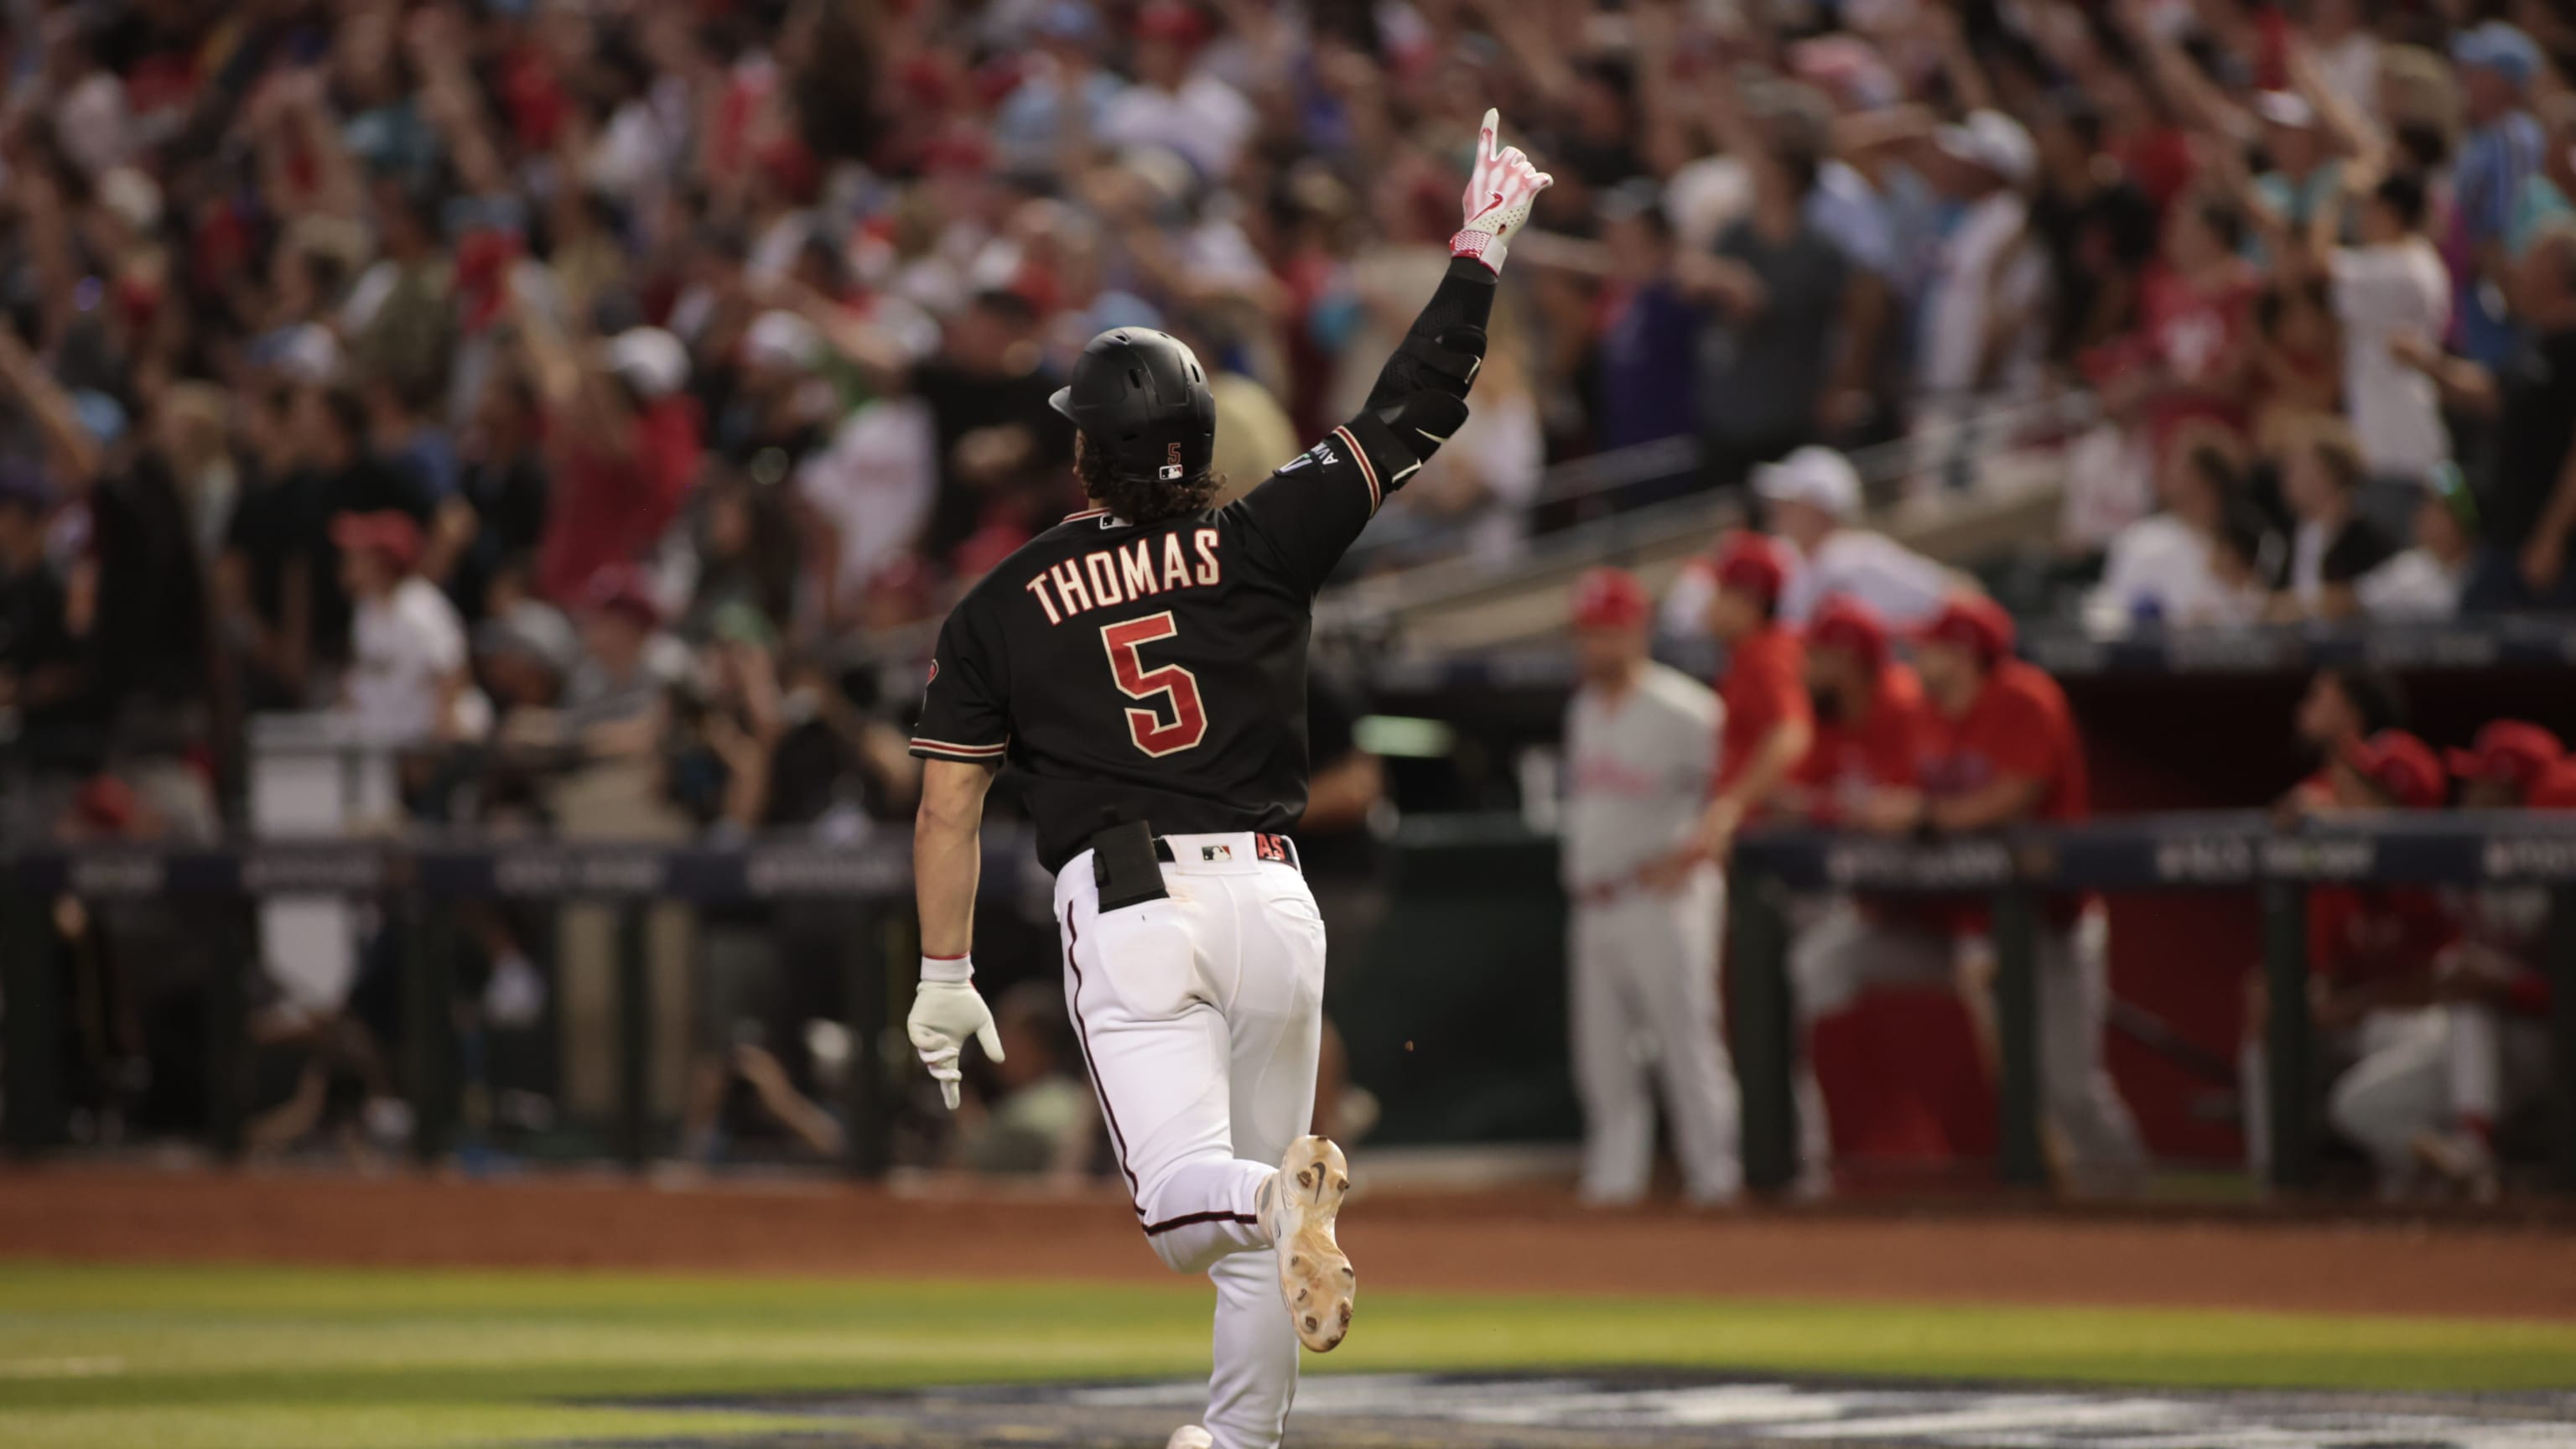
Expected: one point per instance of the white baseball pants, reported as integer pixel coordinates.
(1644, 999)
(2423, 1068)
(1200, 1017)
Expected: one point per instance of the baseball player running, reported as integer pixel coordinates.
(1643, 738)
(1143, 666)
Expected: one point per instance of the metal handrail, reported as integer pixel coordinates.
(1879, 465)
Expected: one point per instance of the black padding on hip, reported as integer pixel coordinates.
(1124, 867)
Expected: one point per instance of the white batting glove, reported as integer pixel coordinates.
(1499, 192)
(945, 1011)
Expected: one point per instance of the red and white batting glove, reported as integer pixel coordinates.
(1499, 193)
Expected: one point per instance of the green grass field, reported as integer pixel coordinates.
(211, 1358)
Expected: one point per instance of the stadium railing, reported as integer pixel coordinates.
(418, 878)
(417, 881)
(1640, 504)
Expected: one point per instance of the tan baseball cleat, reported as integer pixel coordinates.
(2463, 1160)
(1315, 1278)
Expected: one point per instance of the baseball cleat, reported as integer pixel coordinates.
(1189, 1436)
(1315, 1278)
(2463, 1160)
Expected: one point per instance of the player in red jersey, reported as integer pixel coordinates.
(2001, 749)
(1769, 720)
(1871, 720)
(2428, 1099)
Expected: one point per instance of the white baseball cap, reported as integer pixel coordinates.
(650, 360)
(1818, 477)
(782, 340)
(1995, 141)
(2287, 109)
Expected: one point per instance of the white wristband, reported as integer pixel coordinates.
(948, 968)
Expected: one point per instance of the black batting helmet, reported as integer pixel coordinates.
(1142, 401)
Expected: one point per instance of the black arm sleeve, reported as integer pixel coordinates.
(1445, 346)
(1307, 513)
(1465, 298)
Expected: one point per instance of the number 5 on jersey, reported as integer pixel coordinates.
(1178, 687)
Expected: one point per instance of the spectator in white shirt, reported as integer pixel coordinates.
(1988, 273)
(2178, 566)
(2424, 581)
(2347, 53)
(407, 659)
(2391, 287)
(867, 498)
(1174, 103)
(1812, 496)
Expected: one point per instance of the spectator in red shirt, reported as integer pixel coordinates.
(623, 436)
(1769, 721)
(2001, 749)
(2192, 355)
(2428, 1099)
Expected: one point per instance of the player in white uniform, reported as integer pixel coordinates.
(1642, 742)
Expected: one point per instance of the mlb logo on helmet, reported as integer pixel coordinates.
(1171, 470)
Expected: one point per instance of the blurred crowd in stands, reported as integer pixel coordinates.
(599, 373)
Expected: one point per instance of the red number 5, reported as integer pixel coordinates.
(1152, 733)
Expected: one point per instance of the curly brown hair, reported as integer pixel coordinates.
(1142, 500)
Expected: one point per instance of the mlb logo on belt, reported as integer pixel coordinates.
(1216, 852)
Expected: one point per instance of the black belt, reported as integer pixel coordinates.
(1278, 849)
(1124, 859)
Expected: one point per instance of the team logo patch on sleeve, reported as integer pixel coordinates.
(1322, 453)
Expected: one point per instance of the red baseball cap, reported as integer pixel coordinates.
(1974, 623)
(1750, 563)
(620, 590)
(2400, 764)
(1166, 20)
(1610, 598)
(1843, 622)
(2554, 790)
(2508, 752)
(390, 532)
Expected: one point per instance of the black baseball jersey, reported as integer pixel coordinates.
(1158, 672)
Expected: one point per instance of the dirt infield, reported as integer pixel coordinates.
(1519, 1242)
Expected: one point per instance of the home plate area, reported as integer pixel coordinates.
(1402, 1411)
